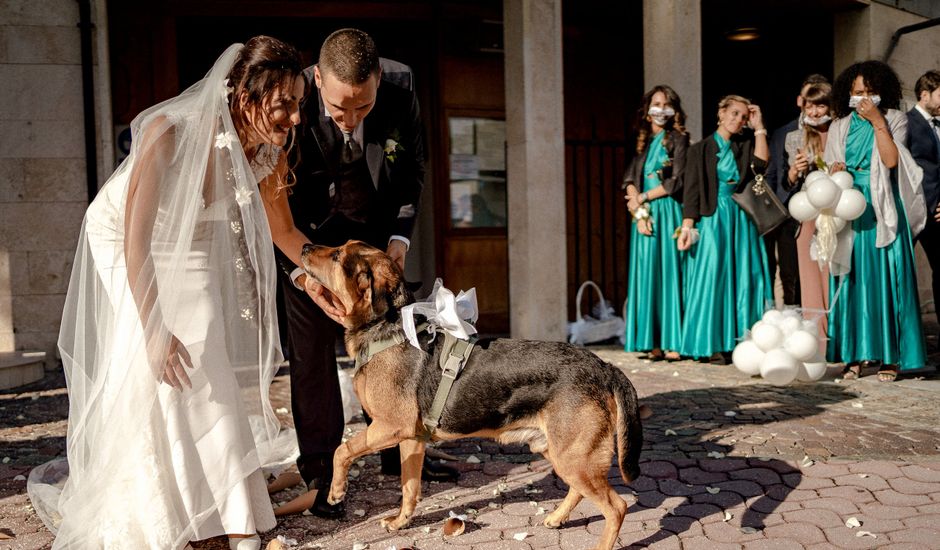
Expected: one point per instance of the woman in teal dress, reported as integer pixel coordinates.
(728, 281)
(653, 182)
(874, 317)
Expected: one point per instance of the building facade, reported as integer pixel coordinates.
(527, 104)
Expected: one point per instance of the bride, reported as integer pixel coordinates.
(169, 332)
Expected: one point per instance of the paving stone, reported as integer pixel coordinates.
(701, 512)
(911, 487)
(821, 469)
(918, 472)
(922, 520)
(683, 526)
(929, 508)
(723, 500)
(659, 470)
(821, 546)
(767, 505)
(819, 517)
(880, 468)
(804, 533)
(761, 476)
(854, 494)
(919, 535)
(742, 487)
(843, 537)
(726, 532)
(674, 487)
(773, 544)
(798, 481)
(893, 498)
(878, 510)
(872, 482)
(704, 543)
(904, 546)
(723, 465)
(837, 505)
(697, 476)
(782, 467)
(782, 492)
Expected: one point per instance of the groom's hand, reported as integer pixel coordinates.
(325, 299)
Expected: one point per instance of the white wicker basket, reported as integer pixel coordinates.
(586, 329)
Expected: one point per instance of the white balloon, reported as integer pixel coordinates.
(766, 336)
(843, 179)
(773, 316)
(779, 367)
(813, 176)
(838, 224)
(801, 345)
(747, 357)
(800, 207)
(790, 312)
(823, 193)
(851, 204)
(789, 325)
(812, 370)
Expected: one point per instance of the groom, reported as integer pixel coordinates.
(360, 177)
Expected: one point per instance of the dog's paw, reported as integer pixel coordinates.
(554, 522)
(336, 495)
(394, 523)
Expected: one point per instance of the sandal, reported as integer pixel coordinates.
(852, 372)
(655, 354)
(672, 356)
(888, 373)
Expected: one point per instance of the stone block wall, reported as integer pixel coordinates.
(43, 192)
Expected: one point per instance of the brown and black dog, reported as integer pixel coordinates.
(563, 401)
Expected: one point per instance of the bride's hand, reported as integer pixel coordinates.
(177, 358)
(325, 299)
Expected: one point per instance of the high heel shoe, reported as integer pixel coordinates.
(245, 543)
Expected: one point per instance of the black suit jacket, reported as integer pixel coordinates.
(677, 145)
(924, 146)
(780, 162)
(700, 195)
(398, 182)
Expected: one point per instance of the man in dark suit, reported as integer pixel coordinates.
(360, 177)
(781, 242)
(923, 141)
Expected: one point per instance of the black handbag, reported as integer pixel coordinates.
(761, 204)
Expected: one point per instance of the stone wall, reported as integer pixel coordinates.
(42, 167)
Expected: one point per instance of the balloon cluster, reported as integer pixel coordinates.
(833, 202)
(781, 347)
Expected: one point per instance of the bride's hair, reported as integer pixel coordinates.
(263, 65)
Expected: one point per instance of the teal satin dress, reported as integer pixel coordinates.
(728, 280)
(654, 292)
(876, 315)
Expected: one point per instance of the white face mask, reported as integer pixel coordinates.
(816, 121)
(661, 116)
(856, 99)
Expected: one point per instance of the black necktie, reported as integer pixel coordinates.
(351, 150)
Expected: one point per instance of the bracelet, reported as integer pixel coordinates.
(761, 132)
(642, 197)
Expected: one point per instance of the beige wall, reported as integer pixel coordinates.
(42, 168)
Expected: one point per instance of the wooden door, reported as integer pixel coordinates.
(470, 190)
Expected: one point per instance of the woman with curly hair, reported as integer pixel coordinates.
(728, 279)
(875, 319)
(653, 183)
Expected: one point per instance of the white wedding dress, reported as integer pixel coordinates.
(151, 467)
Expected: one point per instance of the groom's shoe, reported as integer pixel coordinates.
(321, 508)
(429, 470)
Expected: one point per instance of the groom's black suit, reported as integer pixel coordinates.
(369, 199)
(924, 145)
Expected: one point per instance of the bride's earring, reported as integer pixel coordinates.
(245, 543)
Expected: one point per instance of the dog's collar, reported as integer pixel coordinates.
(376, 347)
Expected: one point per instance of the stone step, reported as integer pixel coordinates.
(18, 368)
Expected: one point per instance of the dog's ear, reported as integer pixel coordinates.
(400, 295)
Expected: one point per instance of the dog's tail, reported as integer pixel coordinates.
(628, 426)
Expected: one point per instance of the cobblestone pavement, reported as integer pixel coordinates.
(729, 462)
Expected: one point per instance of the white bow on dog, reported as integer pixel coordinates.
(453, 315)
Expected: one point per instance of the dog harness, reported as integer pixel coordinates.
(454, 356)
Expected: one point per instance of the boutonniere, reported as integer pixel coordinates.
(392, 147)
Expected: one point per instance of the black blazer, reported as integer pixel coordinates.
(700, 195)
(677, 145)
(924, 146)
(398, 182)
(780, 162)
